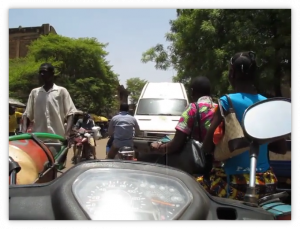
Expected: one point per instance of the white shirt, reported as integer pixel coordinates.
(48, 110)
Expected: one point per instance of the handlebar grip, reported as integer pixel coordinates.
(13, 166)
(66, 142)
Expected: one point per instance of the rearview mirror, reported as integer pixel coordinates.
(268, 120)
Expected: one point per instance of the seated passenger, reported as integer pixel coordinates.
(200, 90)
(231, 180)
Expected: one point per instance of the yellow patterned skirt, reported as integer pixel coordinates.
(235, 186)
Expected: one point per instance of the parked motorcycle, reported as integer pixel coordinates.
(144, 191)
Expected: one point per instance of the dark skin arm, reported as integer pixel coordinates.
(69, 125)
(27, 123)
(174, 145)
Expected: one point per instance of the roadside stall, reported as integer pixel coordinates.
(16, 103)
(96, 120)
(94, 117)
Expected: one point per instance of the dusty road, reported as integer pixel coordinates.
(101, 145)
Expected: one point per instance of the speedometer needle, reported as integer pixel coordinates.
(161, 202)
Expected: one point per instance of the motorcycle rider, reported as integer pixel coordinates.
(87, 123)
(231, 180)
(121, 129)
(48, 106)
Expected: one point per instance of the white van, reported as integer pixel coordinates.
(159, 108)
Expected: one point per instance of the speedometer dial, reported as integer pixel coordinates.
(118, 197)
(127, 195)
(110, 191)
(167, 199)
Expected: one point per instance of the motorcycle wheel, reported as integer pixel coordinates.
(86, 152)
(77, 157)
(87, 156)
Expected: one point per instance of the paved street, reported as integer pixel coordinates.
(101, 145)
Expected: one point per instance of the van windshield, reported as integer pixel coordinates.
(168, 107)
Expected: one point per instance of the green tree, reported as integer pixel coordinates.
(80, 66)
(135, 87)
(22, 77)
(202, 42)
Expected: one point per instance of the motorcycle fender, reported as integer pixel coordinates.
(79, 144)
(84, 140)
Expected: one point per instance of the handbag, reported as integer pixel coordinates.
(191, 158)
(233, 141)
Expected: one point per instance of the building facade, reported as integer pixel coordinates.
(20, 38)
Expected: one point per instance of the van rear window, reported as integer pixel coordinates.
(168, 107)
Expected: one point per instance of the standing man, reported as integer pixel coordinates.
(48, 106)
(121, 128)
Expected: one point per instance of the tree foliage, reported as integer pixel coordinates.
(80, 65)
(135, 87)
(203, 40)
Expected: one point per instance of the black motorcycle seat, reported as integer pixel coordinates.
(126, 148)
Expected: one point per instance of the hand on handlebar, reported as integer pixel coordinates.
(156, 146)
(69, 138)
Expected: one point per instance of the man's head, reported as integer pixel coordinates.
(200, 86)
(242, 68)
(46, 73)
(124, 107)
(12, 109)
(86, 116)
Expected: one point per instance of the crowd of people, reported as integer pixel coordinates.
(228, 179)
(50, 105)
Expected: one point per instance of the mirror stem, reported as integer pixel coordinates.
(13, 177)
(250, 196)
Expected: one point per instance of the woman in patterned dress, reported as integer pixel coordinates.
(200, 92)
(231, 180)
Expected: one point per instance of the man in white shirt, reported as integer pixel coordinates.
(48, 106)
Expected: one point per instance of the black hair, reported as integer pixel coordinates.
(243, 66)
(200, 85)
(11, 106)
(47, 66)
(11, 109)
(124, 107)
